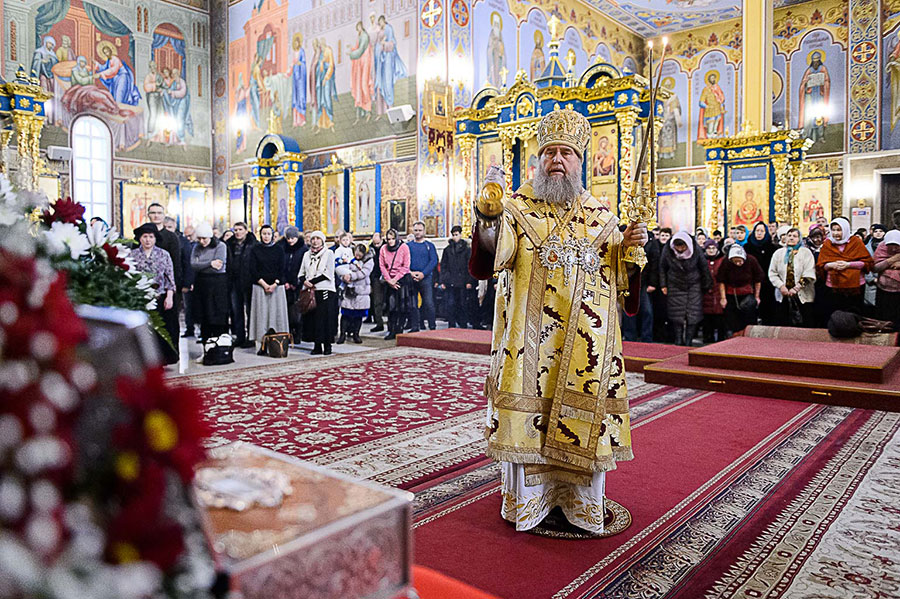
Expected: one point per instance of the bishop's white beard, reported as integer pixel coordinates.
(559, 191)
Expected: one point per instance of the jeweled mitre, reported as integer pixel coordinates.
(565, 127)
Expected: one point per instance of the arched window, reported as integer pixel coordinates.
(92, 167)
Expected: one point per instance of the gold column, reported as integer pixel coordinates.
(796, 175)
(626, 119)
(507, 139)
(714, 170)
(782, 189)
(4, 144)
(757, 57)
(291, 178)
(260, 185)
(466, 145)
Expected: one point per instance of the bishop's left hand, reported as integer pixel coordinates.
(635, 235)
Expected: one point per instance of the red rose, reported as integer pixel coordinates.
(64, 211)
(113, 257)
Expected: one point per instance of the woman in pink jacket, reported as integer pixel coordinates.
(394, 260)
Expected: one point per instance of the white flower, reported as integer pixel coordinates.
(10, 214)
(98, 234)
(63, 237)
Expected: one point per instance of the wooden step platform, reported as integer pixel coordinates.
(818, 378)
(815, 359)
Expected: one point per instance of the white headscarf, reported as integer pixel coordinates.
(737, 251)
(685, 238)
(892, 237)
(845, 229)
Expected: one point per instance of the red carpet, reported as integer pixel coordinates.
(709, 472)
(637, 355)
(814, 359)
(398, 416)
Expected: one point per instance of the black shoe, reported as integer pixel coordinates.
(342, 338)
(327, 351)
(432, 327)
(368, 321)
(390, 336)
(261, 352)
(356, 338)
(377, 329)
(246, 345)
(414, 330)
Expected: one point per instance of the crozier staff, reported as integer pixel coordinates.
(557, 402)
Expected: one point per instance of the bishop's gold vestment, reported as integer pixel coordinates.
(556, 390)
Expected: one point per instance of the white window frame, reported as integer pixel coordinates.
(92, 171)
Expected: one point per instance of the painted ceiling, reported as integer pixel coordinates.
(654, 17)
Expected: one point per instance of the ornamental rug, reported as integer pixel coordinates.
(731, 496)
(397, 416)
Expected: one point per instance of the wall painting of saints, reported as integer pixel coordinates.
(676, 210)
(529, 159)
(490, 153)
(333, 203)
(815, 201)
(673, 134)
(748, 195)
(713, 98)
(534, 37)
(494, 45)
(603, 163)
(396, 214)
(135, 199)
(365, 201)
(817, 94)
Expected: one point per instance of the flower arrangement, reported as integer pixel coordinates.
(94, 500)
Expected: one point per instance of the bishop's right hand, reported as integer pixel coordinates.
(490, 200)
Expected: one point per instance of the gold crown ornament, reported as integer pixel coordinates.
(564, 127)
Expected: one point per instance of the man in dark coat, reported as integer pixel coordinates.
(240, 281)
(640, 326)
(167, 240)
(187, 283)
(456, 280)
(661, 331)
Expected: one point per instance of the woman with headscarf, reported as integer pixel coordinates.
(683, 279)
(760, 246)
(211, 306)
(149, 257)
(317, 273)
(843, 262)
(740, 280)
(294, 249)
(394, 262)
(887, 265)
(742, 233)
(713, 313)
(268, 304)
(356, 302)
(700, 236)
(792, 273)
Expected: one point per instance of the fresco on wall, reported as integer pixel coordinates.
(89, 59)
(673, 136)
(571, 51)
(323, 73)
(713, 99)
(533, 56)
(494, 48)
(890, 103)
(818, 91)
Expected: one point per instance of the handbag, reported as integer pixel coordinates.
(275, 344)
(306, 301)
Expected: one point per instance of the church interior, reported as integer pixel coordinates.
(336, 431)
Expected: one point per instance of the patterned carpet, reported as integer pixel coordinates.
(732, 496)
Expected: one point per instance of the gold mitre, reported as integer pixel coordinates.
(564, 127)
